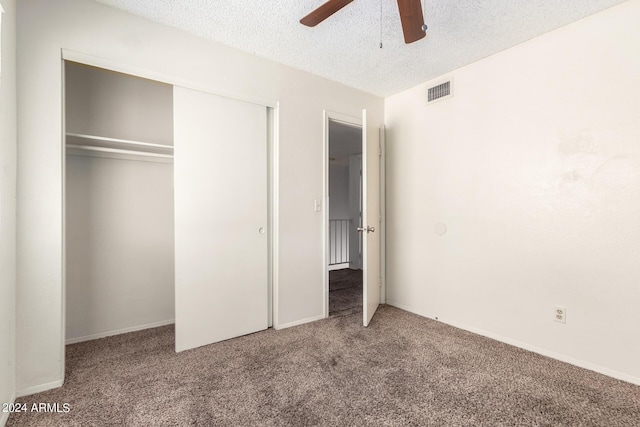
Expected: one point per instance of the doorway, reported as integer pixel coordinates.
(345, 208)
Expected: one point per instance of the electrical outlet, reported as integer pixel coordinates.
(560, 314)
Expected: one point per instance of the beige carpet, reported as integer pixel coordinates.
(401, 370)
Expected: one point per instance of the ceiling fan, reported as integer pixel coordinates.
(410, 14)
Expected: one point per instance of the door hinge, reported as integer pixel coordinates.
(379, 150)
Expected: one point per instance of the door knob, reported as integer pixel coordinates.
(367, 229)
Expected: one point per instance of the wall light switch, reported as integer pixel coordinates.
(317, 205)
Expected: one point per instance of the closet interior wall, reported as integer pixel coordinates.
(119, 207)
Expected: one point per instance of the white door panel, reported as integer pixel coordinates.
(220, 167)
(370, 220)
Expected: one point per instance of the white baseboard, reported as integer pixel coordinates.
(542, 351)
(339, 266)
(118, 331)
(39, 388)
(299, 322)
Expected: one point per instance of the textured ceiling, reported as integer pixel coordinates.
(345, 47)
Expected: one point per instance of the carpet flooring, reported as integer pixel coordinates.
(345, 292)
(401, 370)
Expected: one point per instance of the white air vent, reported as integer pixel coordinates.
(440, 91)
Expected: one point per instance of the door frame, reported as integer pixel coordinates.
(356, 121)
(383, 214)
(273, 179)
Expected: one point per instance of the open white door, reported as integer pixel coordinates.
(221, 252)
(370, 220)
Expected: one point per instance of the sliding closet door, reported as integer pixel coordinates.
(220, 166)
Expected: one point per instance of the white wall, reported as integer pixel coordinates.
(116, 105)
(338, 191)
(534, 167)
(120, 246)
(44, 28)
(7, 205)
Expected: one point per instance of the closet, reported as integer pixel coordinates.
(165, 209)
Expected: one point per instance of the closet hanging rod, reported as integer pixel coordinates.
(119, 151)
(117, 140)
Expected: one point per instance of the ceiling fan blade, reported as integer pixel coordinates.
(323, 12)
(412, 20)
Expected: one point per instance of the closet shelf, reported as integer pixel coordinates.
(119, 151)
(118, 141)
(101, 146)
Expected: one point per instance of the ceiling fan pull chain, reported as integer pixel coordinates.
(380, 24)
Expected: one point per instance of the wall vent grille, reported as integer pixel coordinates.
(440, 91)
